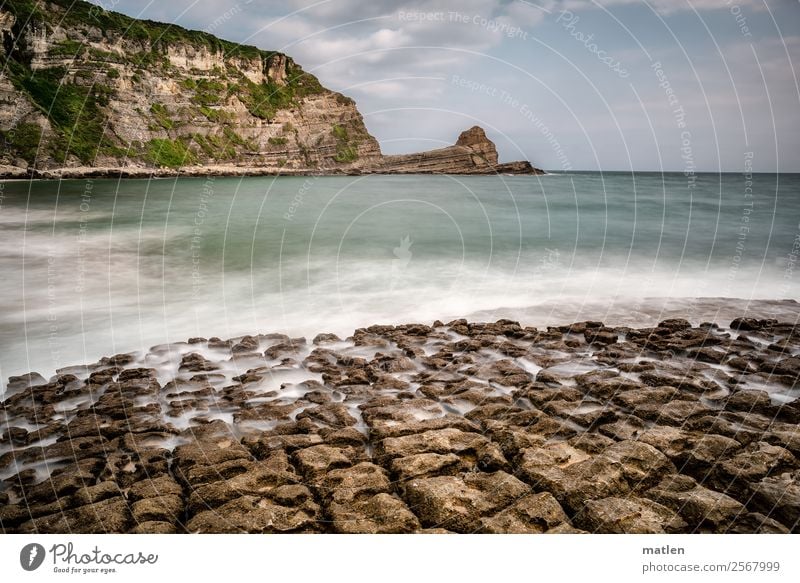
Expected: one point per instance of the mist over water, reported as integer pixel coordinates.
(92, 268)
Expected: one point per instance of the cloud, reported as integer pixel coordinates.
(663, 7)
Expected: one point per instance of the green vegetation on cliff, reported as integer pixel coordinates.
(75, 111)
(23, 141)
(169, 153)
(346, 149)
(73, 83)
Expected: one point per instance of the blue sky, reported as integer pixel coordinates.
(702, 85)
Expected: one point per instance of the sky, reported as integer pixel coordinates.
(675, 85)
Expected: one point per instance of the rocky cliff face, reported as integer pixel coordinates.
(85, 88)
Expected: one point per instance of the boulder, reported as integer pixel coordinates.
(458, 503)
(532, 514)
(702, 509)
(629, 515)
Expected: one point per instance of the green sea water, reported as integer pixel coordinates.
(97, 267)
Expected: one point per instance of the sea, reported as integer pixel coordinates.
(95, 267)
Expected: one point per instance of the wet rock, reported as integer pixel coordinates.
(701, 508)
(584, 413)
(252, 514)
(360, 501)
(167, 508)
(210, 459)
(469, 446)
(672, 413)
(457, 503)
(693, 453)
(743, 364)
(194, 362)
(62, 485)
(711, 355)
(512, 440)
(642, 465)
(579, 327)
(154, 527)
(348, 436)
(571, 475)
(265, 445)
(426, 464)
(684, 381)
(748, 324)
(629, 515)
(629, 427)
(324, 338)
(379, 514)
(333, 415)
(565, 529)
(245, 344)
(363, 479)
(269, 411)
(117, 360)
(30, 379)
(756, 523)
(392, 363)
(257, 479)
(319, 459)
(284, 348)
(591, 443)
(789, 367)
(153, 488)
(751, 465)
(504, 372)
(726, 424)
(675, 324)
(600, 336)
(106, 516)
(779, 497)
(605, 384)
(749, 401)
(532, 514)
(16, 435)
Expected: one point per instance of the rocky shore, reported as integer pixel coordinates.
(459, 427)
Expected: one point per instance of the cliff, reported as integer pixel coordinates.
(85, 91)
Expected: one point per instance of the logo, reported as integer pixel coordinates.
(31, 556)
(403, 256)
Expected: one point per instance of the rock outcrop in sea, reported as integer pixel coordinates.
(460, 427)
(84, 91)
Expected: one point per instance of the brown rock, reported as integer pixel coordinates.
(535, 513)
(107, 516)
(701, 508)
(469, 446)
(379, 514)
(167, 508)
(630, 515)
(251, 514)
(458, 503)
(779, 497)
(426, 464)
(642, 465)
